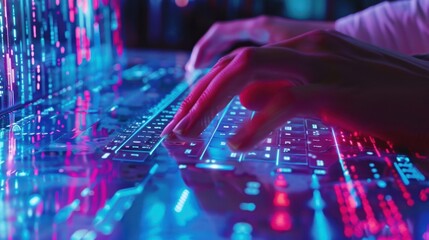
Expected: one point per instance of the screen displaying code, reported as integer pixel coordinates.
(45, 45)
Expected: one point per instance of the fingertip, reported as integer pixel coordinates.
(237, 146)
(234, 146)
(189, 67)
(168, 129)
(165, 132)
(182, 127)
(241, 142)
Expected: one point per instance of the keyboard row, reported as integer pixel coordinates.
(299, 142)
(142, 136)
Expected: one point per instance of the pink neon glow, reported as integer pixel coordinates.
(281, 221)
(182, 3)
(281, 199)
(405, 194)
(78, 46)
(72, 11)
(117, 38)
(86, 45)
(83, 45)
(95, 4)
(83, 4)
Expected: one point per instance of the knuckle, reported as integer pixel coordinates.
(319, 33)
(320, 36)
(223, 60)
(245, 56)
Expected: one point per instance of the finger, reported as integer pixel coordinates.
(233, 78)
(279, 109)
(203, 53)
(202, 111)
(220, 37)
(288, 102)
(196, 92)
(318, 41)
(257, 94)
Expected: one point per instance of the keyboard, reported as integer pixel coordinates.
(303, 145)
(92, 164)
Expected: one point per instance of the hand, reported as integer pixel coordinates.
(261, 30)
(323, 74)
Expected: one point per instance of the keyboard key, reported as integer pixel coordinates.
(296, 121)
(293, 128)
(218, 143)
(293, 142)
(316, 125)
(225, 127)
(292, 134)
(268, 154)
(323, 160)
(221, 154)
(321, 133)
(223, 135)
(234, 120)
(320, 144)
(131, 156)
(191, 149)
(285, 158)
(270, 141)
(296, 150)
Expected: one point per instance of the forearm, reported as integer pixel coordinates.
(400, 26)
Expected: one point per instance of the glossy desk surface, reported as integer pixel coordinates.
(56, 184)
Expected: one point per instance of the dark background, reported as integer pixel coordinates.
(178, 24)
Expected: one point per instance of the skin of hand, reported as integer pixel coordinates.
(260, 30)
(345, 82)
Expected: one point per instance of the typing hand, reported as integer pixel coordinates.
(260, 30)
(323, 74)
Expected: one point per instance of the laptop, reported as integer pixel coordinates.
(82, 157)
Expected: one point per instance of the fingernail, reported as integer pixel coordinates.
(182, 126)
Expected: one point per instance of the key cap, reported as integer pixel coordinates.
(268, 154)
(221, 154)
(285, 159)
(131, 156)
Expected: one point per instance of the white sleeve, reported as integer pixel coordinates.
(401, 26)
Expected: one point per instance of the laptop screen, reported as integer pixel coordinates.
(47, 44)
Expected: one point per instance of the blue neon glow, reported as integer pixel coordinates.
(156, 213)
(35, 200)
(250, 207)
(67, 211)
(321, 227)
(401, 174)
(182, 200)
(215, 166)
